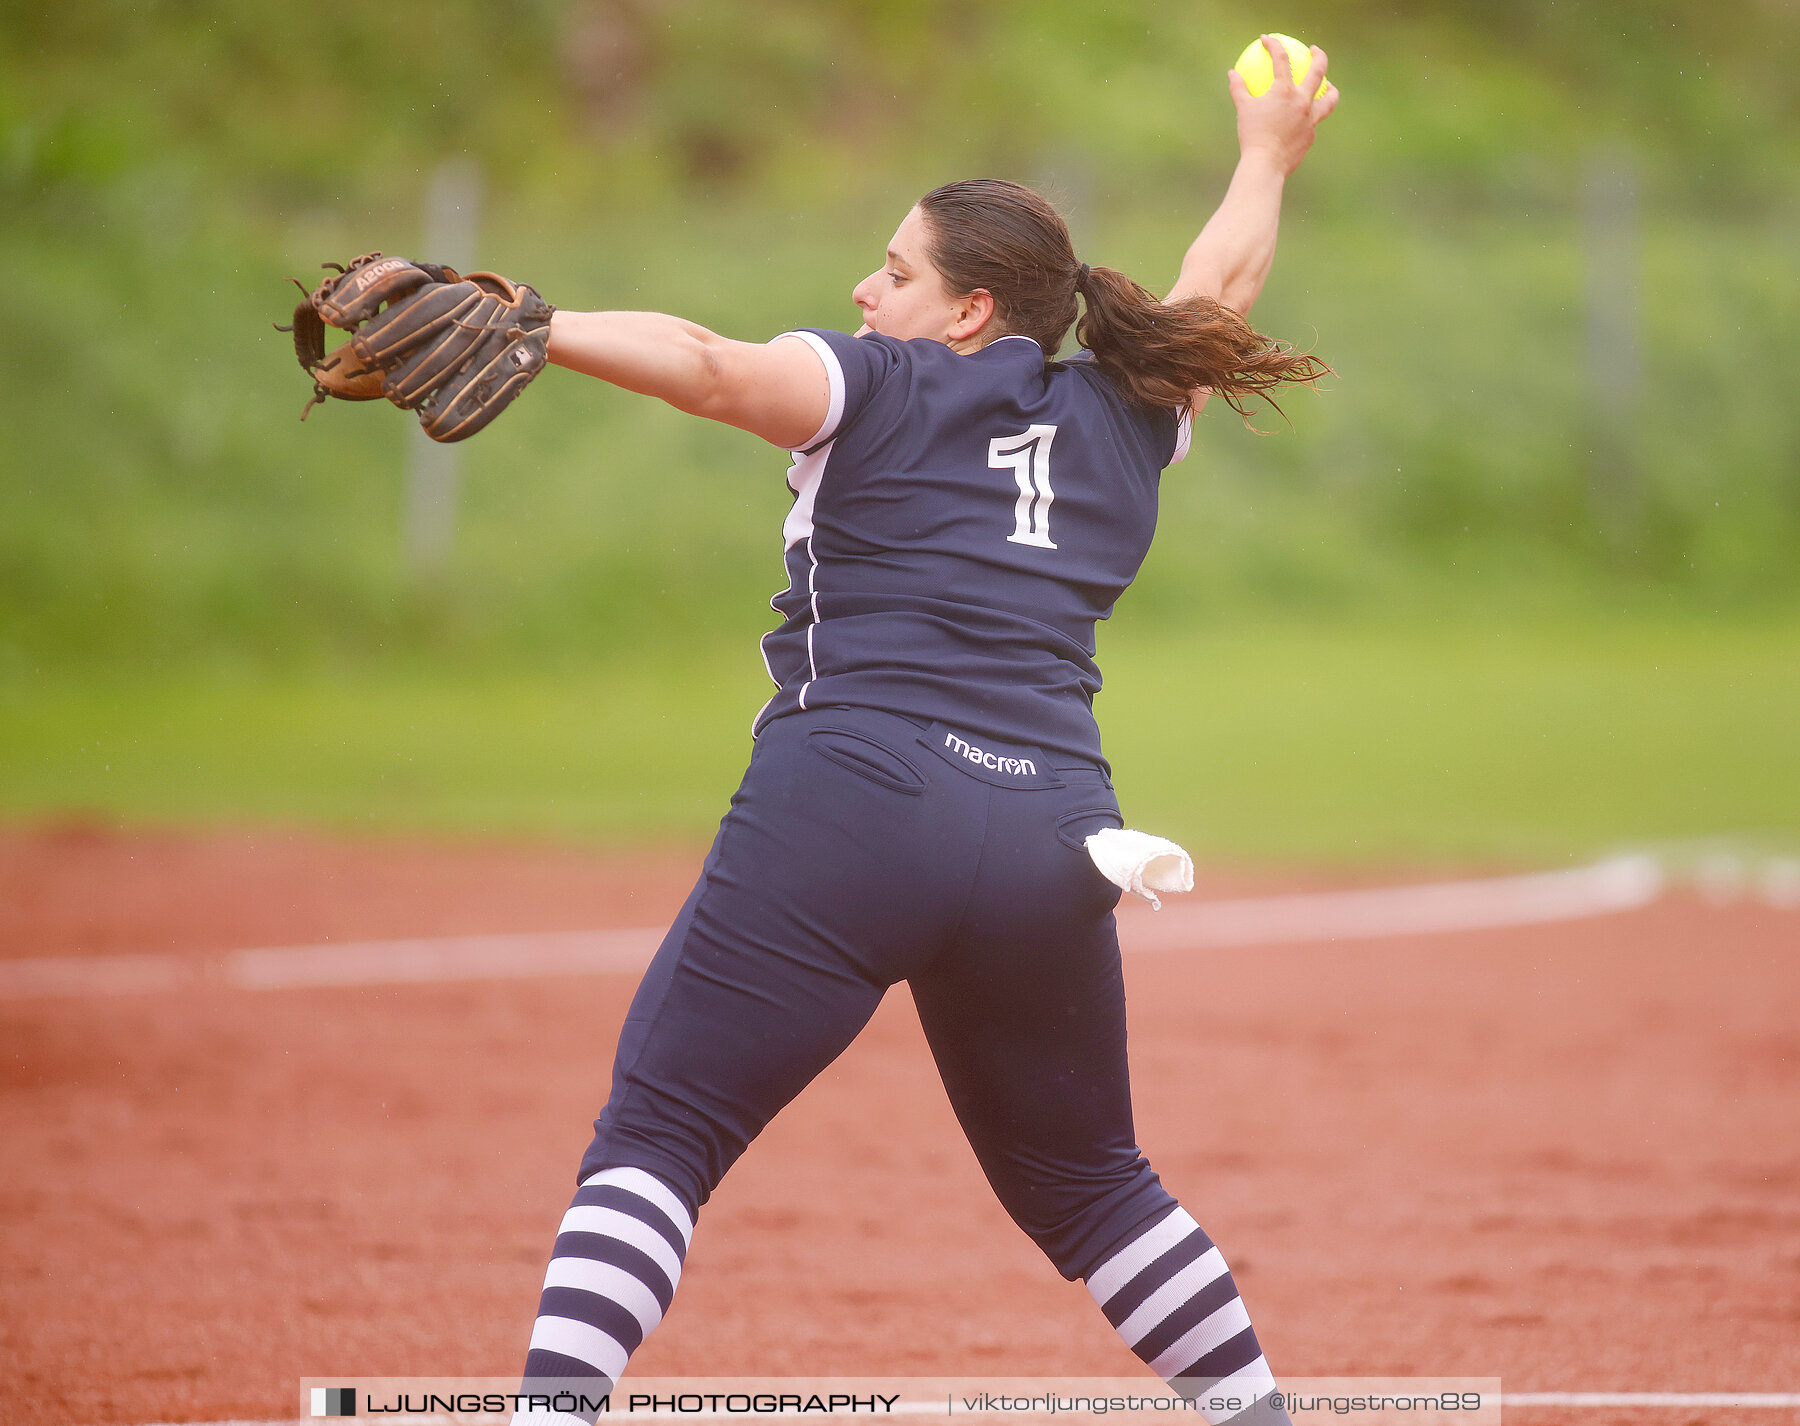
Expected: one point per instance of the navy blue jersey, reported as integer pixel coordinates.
(959, 525)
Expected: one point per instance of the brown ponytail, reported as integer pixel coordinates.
(1160, 353)
(1007, 240)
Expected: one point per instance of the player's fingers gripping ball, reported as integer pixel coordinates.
(1258, 68)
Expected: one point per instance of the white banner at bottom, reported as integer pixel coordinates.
(1377, 1401)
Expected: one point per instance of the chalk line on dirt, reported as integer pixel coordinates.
(446, 958)
(1605, 888)
(1619, 884)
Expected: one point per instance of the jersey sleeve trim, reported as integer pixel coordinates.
(1184, 435)
(834, 372)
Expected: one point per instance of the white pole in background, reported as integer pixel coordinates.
(428, 517)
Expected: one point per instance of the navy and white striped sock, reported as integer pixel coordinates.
(612, 1274)
(1171, 1297)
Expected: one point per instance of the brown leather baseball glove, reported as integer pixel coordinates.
(456, 349)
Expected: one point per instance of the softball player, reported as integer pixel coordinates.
(965, 508)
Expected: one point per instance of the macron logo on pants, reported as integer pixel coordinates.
(1012, 767)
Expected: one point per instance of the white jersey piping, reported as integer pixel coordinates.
(812, 599)
(803, 479)
(1184, 436)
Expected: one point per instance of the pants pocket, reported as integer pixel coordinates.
(1074, 828)
(868, 759)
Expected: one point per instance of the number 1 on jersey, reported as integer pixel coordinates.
(1028, 456)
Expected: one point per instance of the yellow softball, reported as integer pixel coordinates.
(1259, 70)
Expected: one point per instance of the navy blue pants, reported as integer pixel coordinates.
(862, 850)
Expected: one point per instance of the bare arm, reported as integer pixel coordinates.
(1230, 259)
(778, 391)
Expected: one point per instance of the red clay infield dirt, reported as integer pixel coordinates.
(1567, 1156)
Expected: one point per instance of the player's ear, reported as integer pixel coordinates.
(970, 315)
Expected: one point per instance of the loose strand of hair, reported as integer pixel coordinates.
(1160, 353)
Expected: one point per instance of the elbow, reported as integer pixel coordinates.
(1239, 295)
(710, 379)
(724, 387)
(1240, 300)
(709, 362)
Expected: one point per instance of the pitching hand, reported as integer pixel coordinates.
(1281, 122)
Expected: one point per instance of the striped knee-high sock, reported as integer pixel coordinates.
(1171, 1297)
(612, 1274)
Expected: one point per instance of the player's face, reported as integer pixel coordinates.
(905, 297)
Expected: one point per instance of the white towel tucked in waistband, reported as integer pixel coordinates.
(1140, 863)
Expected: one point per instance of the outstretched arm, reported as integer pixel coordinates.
(778, 390)
(1230, 260)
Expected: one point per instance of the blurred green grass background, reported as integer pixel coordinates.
(1448, 745)
(1467, 606)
